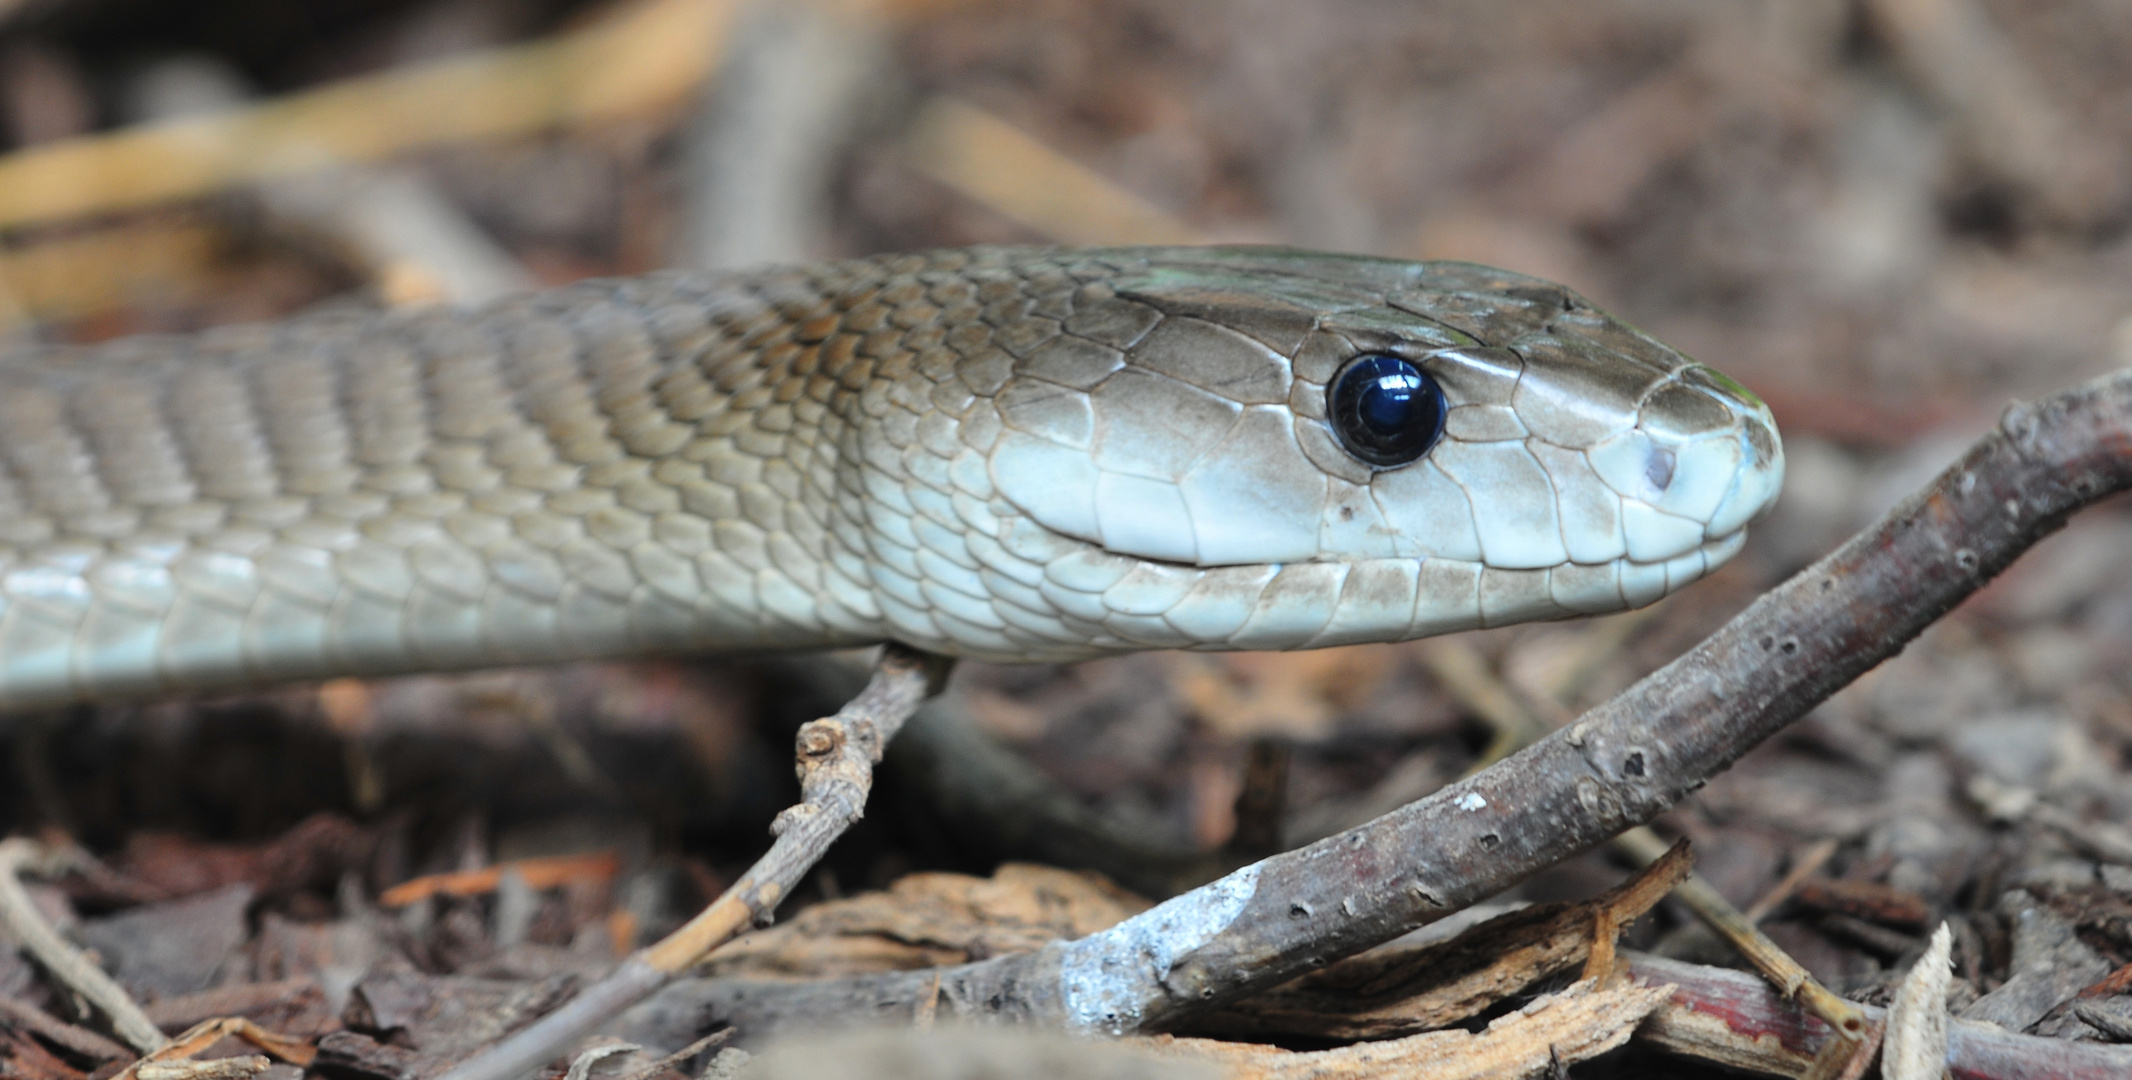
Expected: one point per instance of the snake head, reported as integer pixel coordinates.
(1170, 451)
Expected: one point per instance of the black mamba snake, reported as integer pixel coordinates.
(1009, 453)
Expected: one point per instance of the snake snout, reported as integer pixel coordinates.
(1759, 474)
(1702, 461)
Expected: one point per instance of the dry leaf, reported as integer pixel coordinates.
(1915, 1047)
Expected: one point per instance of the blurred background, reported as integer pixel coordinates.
(1888, 217)
(1878, 212)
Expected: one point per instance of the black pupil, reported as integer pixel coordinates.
(1386, 410)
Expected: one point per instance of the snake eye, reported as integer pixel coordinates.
(1385, 410)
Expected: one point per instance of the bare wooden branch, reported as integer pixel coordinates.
(1618, 766)
(1405, 990)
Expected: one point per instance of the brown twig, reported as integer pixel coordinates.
(836, 760)
(65, 963)
(2116, 982)
(1735, 1019)
(80, 1040)
(1619, 766)
(174, 1059)
(1809, 863)
(1660, 876)
(240, 999)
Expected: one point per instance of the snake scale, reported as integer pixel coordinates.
(1005, 453)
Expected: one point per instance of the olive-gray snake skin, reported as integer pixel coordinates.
(1007, 453)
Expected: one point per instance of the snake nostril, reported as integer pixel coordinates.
(1659, 469)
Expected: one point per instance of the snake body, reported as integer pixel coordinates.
(1009, 453)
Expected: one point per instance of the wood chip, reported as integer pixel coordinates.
(231, 1068)
(1560, 1028)
(1915, 1047)
(927, 920)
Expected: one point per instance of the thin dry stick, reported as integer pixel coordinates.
(23, 1015)
(1810, 863)
(174, 1059)
(1621, 765)
(802, 81)
(1773, 962)
(66, 963)
(836, 760)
